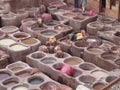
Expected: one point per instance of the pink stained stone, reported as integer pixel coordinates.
(67, 69)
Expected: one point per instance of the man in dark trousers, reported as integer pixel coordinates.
(76, 3)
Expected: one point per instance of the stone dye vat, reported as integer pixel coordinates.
(20, 50)
(9, 29)
(64, 29)
(9, 19)
(65, 43)
(44, 36)
(52, 24)
(19, 36)
(17, 67)
(94, 27)
(78, 47)
(33, 29)
(27, 79)
(70, 70)
(32, 42)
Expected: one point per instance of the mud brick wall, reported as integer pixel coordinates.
(93, 4)
(113, 12)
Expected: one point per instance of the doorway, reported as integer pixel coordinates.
(102, 5)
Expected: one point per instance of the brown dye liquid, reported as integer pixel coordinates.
(69, 14)
(17, 68)
(3, 76)
(95, 50)
(72, 61)
(98, 86)
(20, 36)
(78, 18)
(29, 41)
(109, 57)
(10, 83)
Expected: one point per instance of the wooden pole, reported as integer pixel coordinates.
(119, 12)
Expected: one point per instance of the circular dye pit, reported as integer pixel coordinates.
(17, 68)
(37, 55)
(72, 61)
(109, 56)
(79, 18)
(28, 22)
(35, 80)
(110, 78)
(10, 82)
(61, 55)
(49, 33)
(69, 14)
(20, 35)
(49, 60)
(63, 27)
(95, 50)
(29, 41)
(77, 73)
(81, 43)
(99, 74)
(96, 24)
(87, 66)
(98, 86)
(87, 79)
(9, 29)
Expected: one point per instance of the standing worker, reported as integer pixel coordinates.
(83, 3)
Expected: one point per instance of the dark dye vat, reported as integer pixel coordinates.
(20, 36)
(35, 80)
